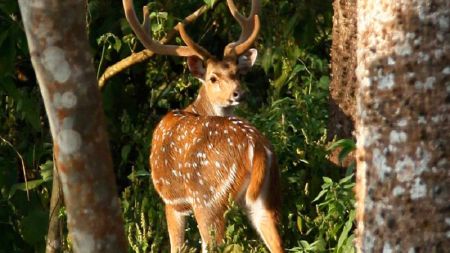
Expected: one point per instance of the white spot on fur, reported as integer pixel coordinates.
(250, 154)
(177, 201)
(69, 141)
(54, 61)
(225, 187)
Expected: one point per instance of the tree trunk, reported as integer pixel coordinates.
(54, 227)
(403, 128)
(60, 55)
(342, 101)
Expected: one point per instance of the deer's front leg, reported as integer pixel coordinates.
(176, 222)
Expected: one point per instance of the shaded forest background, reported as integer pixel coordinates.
(288, 101)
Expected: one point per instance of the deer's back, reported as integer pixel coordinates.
(202, 160)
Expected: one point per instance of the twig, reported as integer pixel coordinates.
(54, 243)
(23, 164)
(143, 55)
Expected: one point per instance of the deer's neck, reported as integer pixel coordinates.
(203, 106)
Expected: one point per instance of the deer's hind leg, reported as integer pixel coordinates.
(265, 222)
(176, 222)
(211, 224)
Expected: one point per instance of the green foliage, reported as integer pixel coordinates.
(334, 220)
(288, 103)
(144, 216)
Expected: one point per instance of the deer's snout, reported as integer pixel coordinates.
(238, 95)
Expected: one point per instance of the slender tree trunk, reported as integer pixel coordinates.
(403, 127)
(342, 103)
(54, 227)
(60, 55)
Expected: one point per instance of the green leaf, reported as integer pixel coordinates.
(142, 173)
(210, 3)
(125, 152)
(324, 82)
(23, 187)
(320, 195)
(34, 227)
(117, 44)
(233, 248)
(344, 153)
(347, 227)
(327, 180)
(346, 179)
(343, 143)
(47, 170)
(299, 224)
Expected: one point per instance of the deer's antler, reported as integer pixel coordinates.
(143, 34)
(250, 28)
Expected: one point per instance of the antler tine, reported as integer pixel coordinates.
(239, 49)
(141, 31)
(247, 25)
(190, 43)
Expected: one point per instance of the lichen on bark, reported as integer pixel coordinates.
(60, 55)
(403, 130)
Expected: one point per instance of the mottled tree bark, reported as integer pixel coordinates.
(342, 102)
(60, 55)
(403, 128)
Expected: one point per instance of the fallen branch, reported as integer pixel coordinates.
(143, 55)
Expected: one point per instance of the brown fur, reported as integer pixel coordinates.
(199, 162)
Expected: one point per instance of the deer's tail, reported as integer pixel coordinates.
(265, 178)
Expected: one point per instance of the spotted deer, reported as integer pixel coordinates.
(202, 156)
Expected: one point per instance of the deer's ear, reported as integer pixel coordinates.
(246, 61)
(196, 67)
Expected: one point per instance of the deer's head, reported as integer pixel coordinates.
(220, 77)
